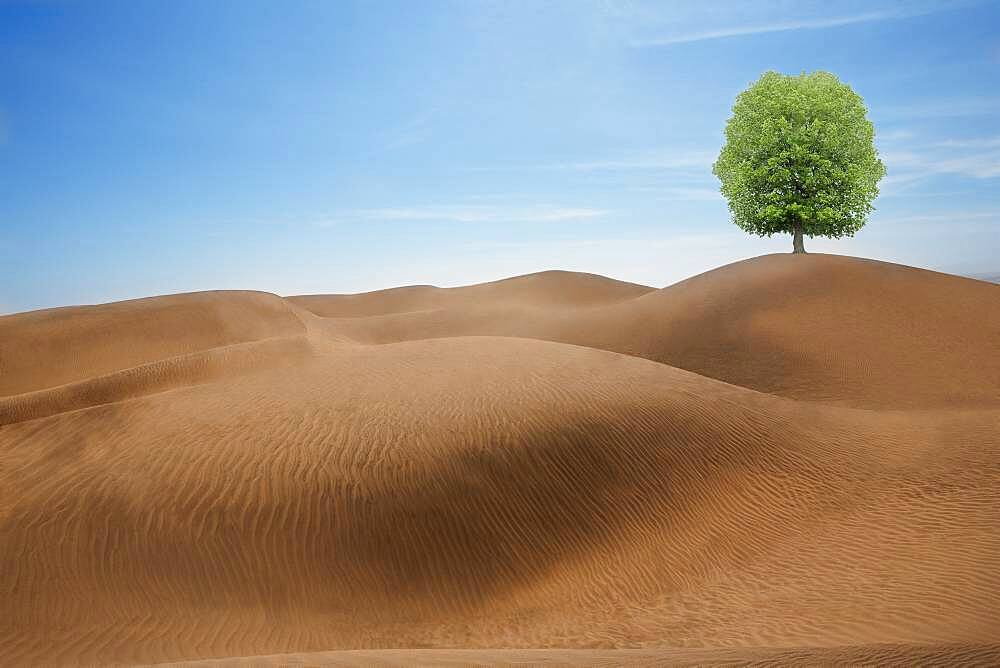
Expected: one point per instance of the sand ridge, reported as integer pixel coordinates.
(820, 327)
(552, 289)
(487, 468)
(51, 347)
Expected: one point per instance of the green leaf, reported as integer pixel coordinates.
(799, 151)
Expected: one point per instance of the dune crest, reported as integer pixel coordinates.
(814, 327)
(704, 473)
(554, 289)
(41, 349)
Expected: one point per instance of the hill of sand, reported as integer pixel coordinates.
(820, 328)
(787, 459)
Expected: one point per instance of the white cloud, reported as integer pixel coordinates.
(988, 142)
(946, 217)
(979, 165)
(893, 135)
(782, 26)
(694, 159)
(681, 193)
(939, 108)
(654, 23)
(463, 214)
(681, 159)
(908, 167)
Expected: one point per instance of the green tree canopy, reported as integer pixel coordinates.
(799, 158)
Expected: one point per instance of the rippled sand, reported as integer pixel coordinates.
(791, 459)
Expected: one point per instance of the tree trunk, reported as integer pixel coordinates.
(797, 246)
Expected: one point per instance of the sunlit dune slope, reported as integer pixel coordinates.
(231, 475)
(41, 349)
(488, 492)
(816, 327)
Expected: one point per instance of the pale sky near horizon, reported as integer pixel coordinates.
(301, 147)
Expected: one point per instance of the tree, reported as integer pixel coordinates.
(799, 158)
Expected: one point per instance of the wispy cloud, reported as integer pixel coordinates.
(952, 217)
(979, 165)
(661, 160)
(893, 135)
(987, 142)
(759, 29)
(694, 159)
(943, 157)
(939, 108)
(657, 24)
(462, 214)
(681, 193)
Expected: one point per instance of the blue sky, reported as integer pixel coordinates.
(158, 147)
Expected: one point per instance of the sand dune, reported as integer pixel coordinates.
(41, 349)
(549, 289)
(778, 469)
(816, 328)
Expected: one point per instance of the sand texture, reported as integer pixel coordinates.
(787, 460)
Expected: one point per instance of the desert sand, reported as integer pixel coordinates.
(790, 459)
